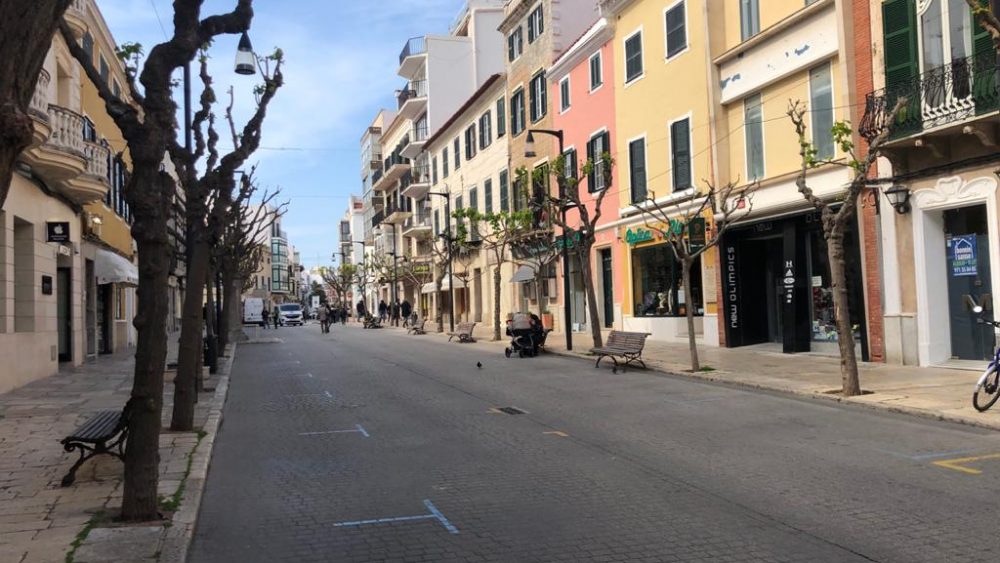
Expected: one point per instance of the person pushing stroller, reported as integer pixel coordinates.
(527, 335)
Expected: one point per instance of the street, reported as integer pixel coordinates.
(376, 446)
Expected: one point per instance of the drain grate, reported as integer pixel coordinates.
(511, 410)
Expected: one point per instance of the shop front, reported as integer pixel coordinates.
(657, 303)
(776, 286)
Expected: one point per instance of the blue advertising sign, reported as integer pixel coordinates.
(962, 254)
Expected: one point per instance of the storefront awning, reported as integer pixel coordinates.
(430, 287)
(523, 274)
(112, 268)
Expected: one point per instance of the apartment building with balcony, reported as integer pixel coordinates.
(351, 247)
(535, 33)
(66, 256)
(475, 175)
(777, 289)
(941, 243)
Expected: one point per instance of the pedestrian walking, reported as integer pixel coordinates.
(405, 309)
(343, 315)
(276, 317)
(266, 315)
(362, 310)
(383, 310)
(323, 320)
(394, 311)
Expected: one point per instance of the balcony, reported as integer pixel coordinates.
(937, 100)
(418, 138)
(377, 218)
(397, 212)
(61, 157)
(75, 16)
(39, 109)
(94, 182)
(419, 181)
(412, 99)
(419, 225)
(411, 59)
(376, 162)
(394, 167)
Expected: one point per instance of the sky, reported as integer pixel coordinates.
(341, 60)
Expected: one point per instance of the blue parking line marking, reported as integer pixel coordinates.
(362, 430)
(384, 520)
(923, 457)
(440, 517)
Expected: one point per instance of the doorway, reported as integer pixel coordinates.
(64, 313)
(607, 286)
(967, 248)
(762, 287)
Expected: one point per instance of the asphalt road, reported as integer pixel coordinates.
(376, 446)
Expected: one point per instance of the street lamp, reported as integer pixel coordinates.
(529, 152)
(245, 58)
(899, 197)
(450, 241)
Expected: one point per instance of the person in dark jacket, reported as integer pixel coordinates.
(383, 310)
(405, 309)
(362, 310)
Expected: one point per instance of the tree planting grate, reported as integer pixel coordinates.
(511, 410)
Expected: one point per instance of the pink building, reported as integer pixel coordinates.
(581, 85)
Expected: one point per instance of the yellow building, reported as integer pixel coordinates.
(662, 141)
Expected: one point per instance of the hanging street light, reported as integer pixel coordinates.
(246, 61)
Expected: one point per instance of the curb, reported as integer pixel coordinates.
(177, 537)
(881, 407)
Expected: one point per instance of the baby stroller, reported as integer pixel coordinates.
(527, 335)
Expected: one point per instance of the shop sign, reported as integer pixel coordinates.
(732, 305)
(696, 234)
(574, 239)
(962, 251)
(789, 282)
(57, 231)
(638, 236)
(421, 269)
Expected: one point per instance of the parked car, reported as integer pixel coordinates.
(291, 314)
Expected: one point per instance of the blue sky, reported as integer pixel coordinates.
(341, 62)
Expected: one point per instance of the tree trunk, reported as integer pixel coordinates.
(588, 283)
(496, 303)
(26, 31)
(689, 308)
(189, 355)
(211, 333)
(142, 450)
(440, 304)
(231, 309)
(222, 319)
(842, 312)
(539, 294)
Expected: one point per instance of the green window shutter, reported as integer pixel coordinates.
(591, 186)
(986, 67)
(902, 67)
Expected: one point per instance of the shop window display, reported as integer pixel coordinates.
(658, 283)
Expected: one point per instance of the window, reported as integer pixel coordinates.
(633, 57)
(488, 195)
(749, 19)
(470, 142)
(538, 97)
(637, 169)
(444, 162)
(474, 198)
(821, 107)
(515, 44)
(485, 130)
(564, 101)
(458, 153)
(596, 71)
(754, 127)
(680, 153)
(517, 112)
(437, 222)
(536, 25)
(88, 45)
(504, 191)
(501, 117)
(658, 285)
(676, 30)
(596, 147)
(458, 203)
(104, 69)
(116, 89)
(434, 170)
(570, 164)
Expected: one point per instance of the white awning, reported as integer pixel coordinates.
(112, 268)
(431, 288)
(523, 274)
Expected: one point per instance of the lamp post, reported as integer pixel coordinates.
(529, 152)
(343, 262)
(450, 241)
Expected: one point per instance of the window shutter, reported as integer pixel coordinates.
(680, 146)
(533, 101)
(591, 180)
(986, 63)
(637, 166)
(899, 26)
(510, 47)
(501, 118)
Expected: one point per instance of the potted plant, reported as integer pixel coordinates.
(547, 319)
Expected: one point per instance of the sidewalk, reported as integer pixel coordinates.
(939, 393)
(39, 520)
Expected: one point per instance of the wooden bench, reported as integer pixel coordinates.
(625, 345)
(464, 332)
(103, 433)
(417, 327)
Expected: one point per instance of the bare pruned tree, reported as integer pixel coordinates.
(836, 216)
(988, 19)
(148, 122)
(691, 228)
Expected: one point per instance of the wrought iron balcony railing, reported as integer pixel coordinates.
(415, 89)
(950, 93)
